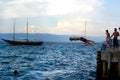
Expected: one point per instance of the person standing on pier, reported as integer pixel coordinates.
(107, 38)
(115, 38)
(119, 37)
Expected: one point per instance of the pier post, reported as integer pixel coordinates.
(99, 65)
(108, 65)
(104, 69)
(119, 70)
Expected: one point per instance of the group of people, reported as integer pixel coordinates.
(109, 41)
(115, 36)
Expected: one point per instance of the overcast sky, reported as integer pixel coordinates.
(60, 16)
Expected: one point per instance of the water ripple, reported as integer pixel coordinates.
(51, 61)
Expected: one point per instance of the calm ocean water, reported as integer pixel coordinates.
(51, 61)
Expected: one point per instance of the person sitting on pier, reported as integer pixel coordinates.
(115, 38)
(86, 41)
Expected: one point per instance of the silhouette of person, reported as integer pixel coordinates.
(15, 72)
(107, 38)
(115, 38)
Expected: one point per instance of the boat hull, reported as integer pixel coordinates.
(12, 42)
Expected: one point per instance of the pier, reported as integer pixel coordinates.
(108, 64)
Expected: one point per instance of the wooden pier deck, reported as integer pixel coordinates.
(108, 64)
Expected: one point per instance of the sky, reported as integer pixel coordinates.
(62, 17)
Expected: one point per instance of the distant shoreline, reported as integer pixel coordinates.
(48, 37)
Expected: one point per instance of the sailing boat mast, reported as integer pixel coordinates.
(27, 30)
(14, 30)
(85, 27)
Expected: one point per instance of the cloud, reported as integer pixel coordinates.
(71, 14)
(62, 7)
(22, 8)
(69, 27)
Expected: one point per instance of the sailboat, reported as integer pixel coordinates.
(19, 42)
(79, 38)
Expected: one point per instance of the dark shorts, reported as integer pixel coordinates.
(83, 39)
(115, 42)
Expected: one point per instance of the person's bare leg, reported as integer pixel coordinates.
(91, 42)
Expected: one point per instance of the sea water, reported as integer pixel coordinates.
(50, 61)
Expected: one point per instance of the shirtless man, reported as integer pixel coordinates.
(86, 41)
(115, 38)
(107, 38)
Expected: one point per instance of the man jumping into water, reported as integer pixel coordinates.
(86, 41)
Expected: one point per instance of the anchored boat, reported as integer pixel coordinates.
(20, 42)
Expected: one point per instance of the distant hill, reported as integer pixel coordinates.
(47, 37)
